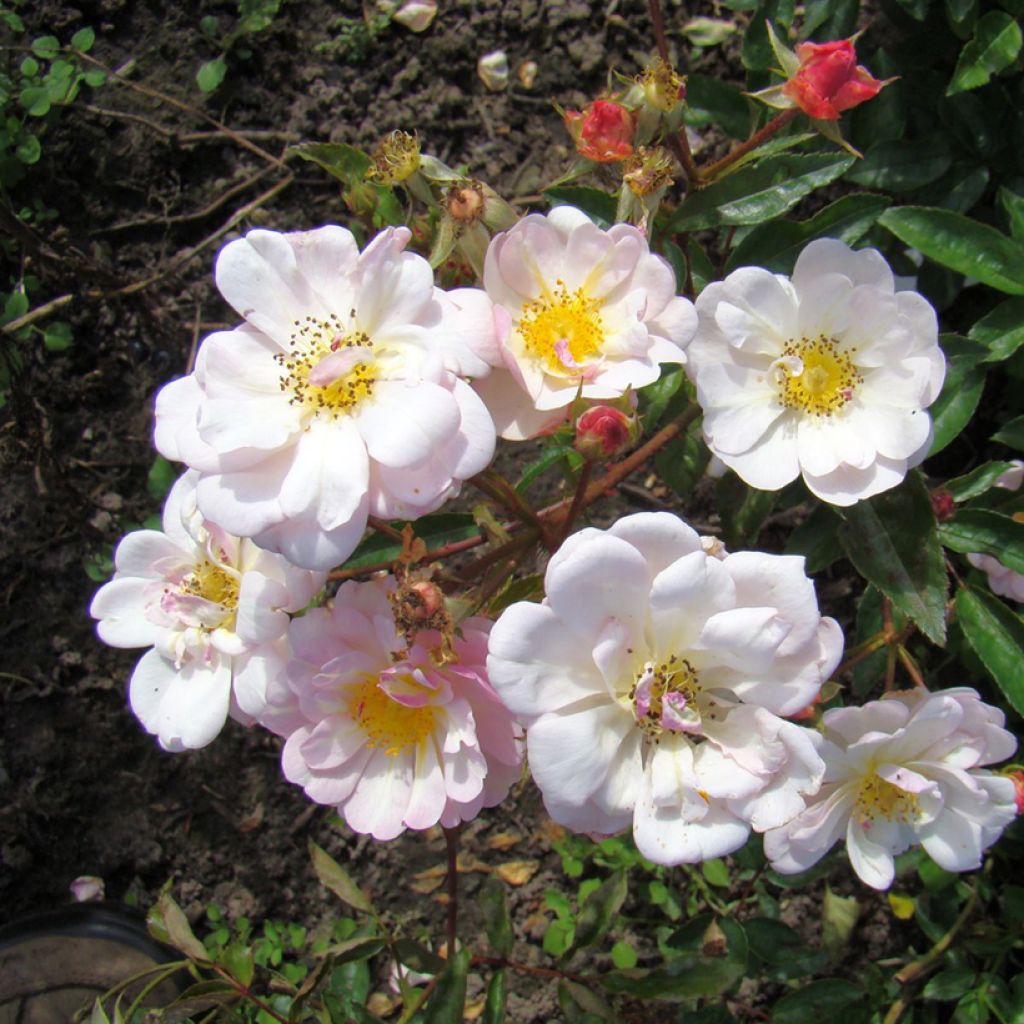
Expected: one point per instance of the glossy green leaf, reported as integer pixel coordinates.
(167, 922)
(1012, 434)
(997, 636)
(975, 529)
(414, 954)
(681, 463)
(949, 984)
(690, 978)
(962, 244)
(46, 47)
(716, 872)
(353, 949)
(599, 911)
(711, 101)
(903, 165)
(655, 398)
(434, 531)
(337, 879)
(776, 246)
(548, 457)
(497, 996)
(781, 949)
(959, 398)
(83, 39)
(580, 1003)
(1001, 331)
(892, 541)
(743, 510)
(760, 192)
(1013, 207)
(346, 163)
(977, 482)
(448, 1003)
(827, 999)
(497, 923)
(815, 539)
(995, 45)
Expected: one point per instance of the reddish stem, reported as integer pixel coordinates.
(451, 842)
(778, 122)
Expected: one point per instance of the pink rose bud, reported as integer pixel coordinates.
(1018, 785)
(829, 80)
(944, 504)
(603, 132)
(603, 432)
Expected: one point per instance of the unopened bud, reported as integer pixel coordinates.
(395, 158)
(603, 132)
(605, 431)
(648, 170)
(943, 504)
(663, 88)
(464, 202)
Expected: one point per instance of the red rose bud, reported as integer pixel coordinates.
(603, 132)
(604, 432)
(829, 80)
(943, 504)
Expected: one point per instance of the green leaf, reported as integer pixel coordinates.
(994, 47)
(557, 938)
(336, 878)
(497, 922)
(545, 460)
(776, 246)
(962, 244)
(30, 67)
(160, 479)
(715, 872)
(83, 39)
(760, 192)
(827, 999)
(1001, 331)
(448, 1003)
(211, 74)
(346, 163)
(497, 994)
(167, 922)
(597, 205)
(28, 151)
(815, 539)
(681, 463)
(57, 337)
(1012, 434)
(579, 1003)
(838, 918)
(959, 398)
(238, 959)
(743, 510)
(1013, 207)
(654, 398)
(690, 978)
(976, 529)
(949, 984)
(977, 482)
(46, 47)
(434, 531)
(892, 541)
(623, 956)
(996, 635)
(36, 100)
(94, 77)
(902, 165)
(359, 947)
(415, 955)
(599, 911)
(777, 945)
(711, 101)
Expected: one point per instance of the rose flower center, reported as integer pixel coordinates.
(387, 723)
(215, 584)
(562, 331)
(813, 376)
(664, 698)
(328, 370)
(877, 798)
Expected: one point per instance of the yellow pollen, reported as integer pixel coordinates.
(311, 342)
(215, 584)
(386, 723)
(877, 798)
(823, 382)
(676, 675)
(562, 330)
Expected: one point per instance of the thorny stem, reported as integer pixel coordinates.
(498, 489)
(384, 528)
(874, 643)
(577, 499)
(910, 666)
(451, 842)
(247, 993)
(778, 122)
(677, 142)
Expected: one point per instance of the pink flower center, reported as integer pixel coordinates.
(664, 698)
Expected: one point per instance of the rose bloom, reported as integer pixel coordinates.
(603, 132)
(826, 374)
(651, 681)
(903, 771)
(214, 610)
(390, 737)
(1002, 580)
(339, 397)
(829, 80)
(578, 310)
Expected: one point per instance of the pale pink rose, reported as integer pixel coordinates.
(341, 396)
(825, 375)
(578, 310)
(904, 771)
(1001, 580)
(213, 607)
(652, 681)
(393, 740)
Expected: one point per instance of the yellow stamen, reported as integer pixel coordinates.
(877, 798)
(562, 330)
(386, 723)
(215, 584)
(815, 377)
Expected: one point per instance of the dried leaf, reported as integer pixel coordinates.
(503, 840)
(517, 872)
